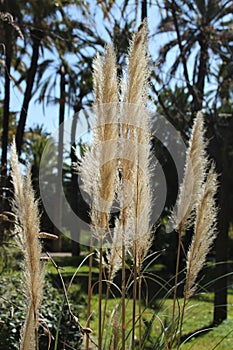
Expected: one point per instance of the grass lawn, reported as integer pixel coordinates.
(197, 333)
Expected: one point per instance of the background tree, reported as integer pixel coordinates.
(201, 43)
(72, 81)
(38, 15)
(193, 71)
(10, 32)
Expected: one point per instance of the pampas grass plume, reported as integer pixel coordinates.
(194, 176)
(25, 208)
(138, 72)
(204, 231)
(97, 174)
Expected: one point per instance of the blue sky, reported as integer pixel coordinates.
(49, 117)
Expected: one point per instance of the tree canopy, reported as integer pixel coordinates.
(47, 49)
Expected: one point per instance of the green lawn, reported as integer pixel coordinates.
(197, 333)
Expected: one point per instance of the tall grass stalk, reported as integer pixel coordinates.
(194, 176)
(89, 291)
(123, 288)
(203, 237)
(189, 194)
(134, 297)
(100, 185)
(176, 281)
(100, 296)
(196, 206)
(25, 207)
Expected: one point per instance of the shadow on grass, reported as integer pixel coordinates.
(198, 333)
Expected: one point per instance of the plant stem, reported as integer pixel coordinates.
(100, 299)
(134, 294)
(140, 310)
(105, 306)
(37, 339)
(187, 286)
(89, 291)
(175, 287)
(181, 321)
(123, 296)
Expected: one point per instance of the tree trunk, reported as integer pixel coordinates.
(221, 248)
(6, 108)
(37, 36)
(4, 181)
(75, 232)
(202, 74)
(57, 245)
(221, 244)
(144, 9)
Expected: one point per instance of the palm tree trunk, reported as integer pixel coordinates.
(221, 244)
(75, 232)
(202, 73)
(58, 208)
(144, 10)
(37, 36)
(6, 107)
(4, 182)
(221, 270)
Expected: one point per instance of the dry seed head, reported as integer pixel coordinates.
(204, 231)
(99, 174)
(136, 215)
(138, 72)
(98, 79)
(121, 145)
(194, 176)
(110, 83)
(25, 208)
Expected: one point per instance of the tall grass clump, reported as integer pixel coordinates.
(116, 174)
(136, 130)
(25, 208)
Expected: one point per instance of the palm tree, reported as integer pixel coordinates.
(42, 25)
(199, 30)
(6, 108)
(10, 32)
(200, 33)
(108, 5)
(73, 81)
(35, 141)
(51, 28)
